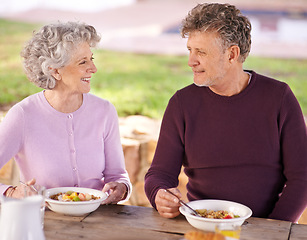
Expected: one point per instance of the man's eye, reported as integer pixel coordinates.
(83, 62)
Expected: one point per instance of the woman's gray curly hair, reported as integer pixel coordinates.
(51, 48)
(224, 19)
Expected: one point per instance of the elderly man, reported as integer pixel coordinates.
(240, 136)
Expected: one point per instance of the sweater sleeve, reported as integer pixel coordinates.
(115, 164)
(293, 141)
(11, 137)
(167, 162)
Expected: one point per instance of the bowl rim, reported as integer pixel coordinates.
(182, 209)
(101, 194)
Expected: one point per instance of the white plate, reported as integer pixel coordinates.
(74, 208)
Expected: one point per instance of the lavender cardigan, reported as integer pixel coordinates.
(76, 149)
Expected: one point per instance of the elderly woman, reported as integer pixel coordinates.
(63, 135)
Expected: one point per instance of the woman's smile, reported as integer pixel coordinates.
(87, 80)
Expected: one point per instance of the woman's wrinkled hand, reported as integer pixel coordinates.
(21, 190)
(167, 204)
(116, 191)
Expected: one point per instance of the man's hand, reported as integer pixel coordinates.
(167, 204)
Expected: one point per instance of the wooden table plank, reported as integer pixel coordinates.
(138, 217)
(63, 230)
(57, 216)
(298, 232)
(134, 222)
(258, 228)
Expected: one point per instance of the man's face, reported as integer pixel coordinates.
(207, 59)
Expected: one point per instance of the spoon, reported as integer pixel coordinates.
(184, 204)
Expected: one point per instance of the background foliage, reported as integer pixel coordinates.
(134, 83)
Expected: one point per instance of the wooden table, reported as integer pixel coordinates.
(113, 222)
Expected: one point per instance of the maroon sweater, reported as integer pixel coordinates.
(249, 148)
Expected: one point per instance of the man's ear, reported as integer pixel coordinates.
(233, 53)
(55, 73)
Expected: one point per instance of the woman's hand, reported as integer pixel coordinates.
(167, 204)
(21, 190)
(117, 192)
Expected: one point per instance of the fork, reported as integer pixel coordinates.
(31, 186)
(184, 204)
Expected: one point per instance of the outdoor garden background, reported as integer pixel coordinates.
(142, 61)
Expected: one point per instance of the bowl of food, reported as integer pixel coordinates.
(74, 201)
(214, 213)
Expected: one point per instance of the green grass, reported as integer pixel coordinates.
(134, 83)
(139, 84)
(13, 82)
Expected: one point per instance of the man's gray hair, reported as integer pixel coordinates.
(226, 20)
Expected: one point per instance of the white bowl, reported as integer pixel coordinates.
(74, 208)
(209, 224)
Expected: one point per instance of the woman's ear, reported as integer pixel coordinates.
(233, 53)
(55, 73)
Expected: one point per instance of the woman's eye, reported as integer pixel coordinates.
(84, 61)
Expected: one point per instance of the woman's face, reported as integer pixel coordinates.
(75, 77)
